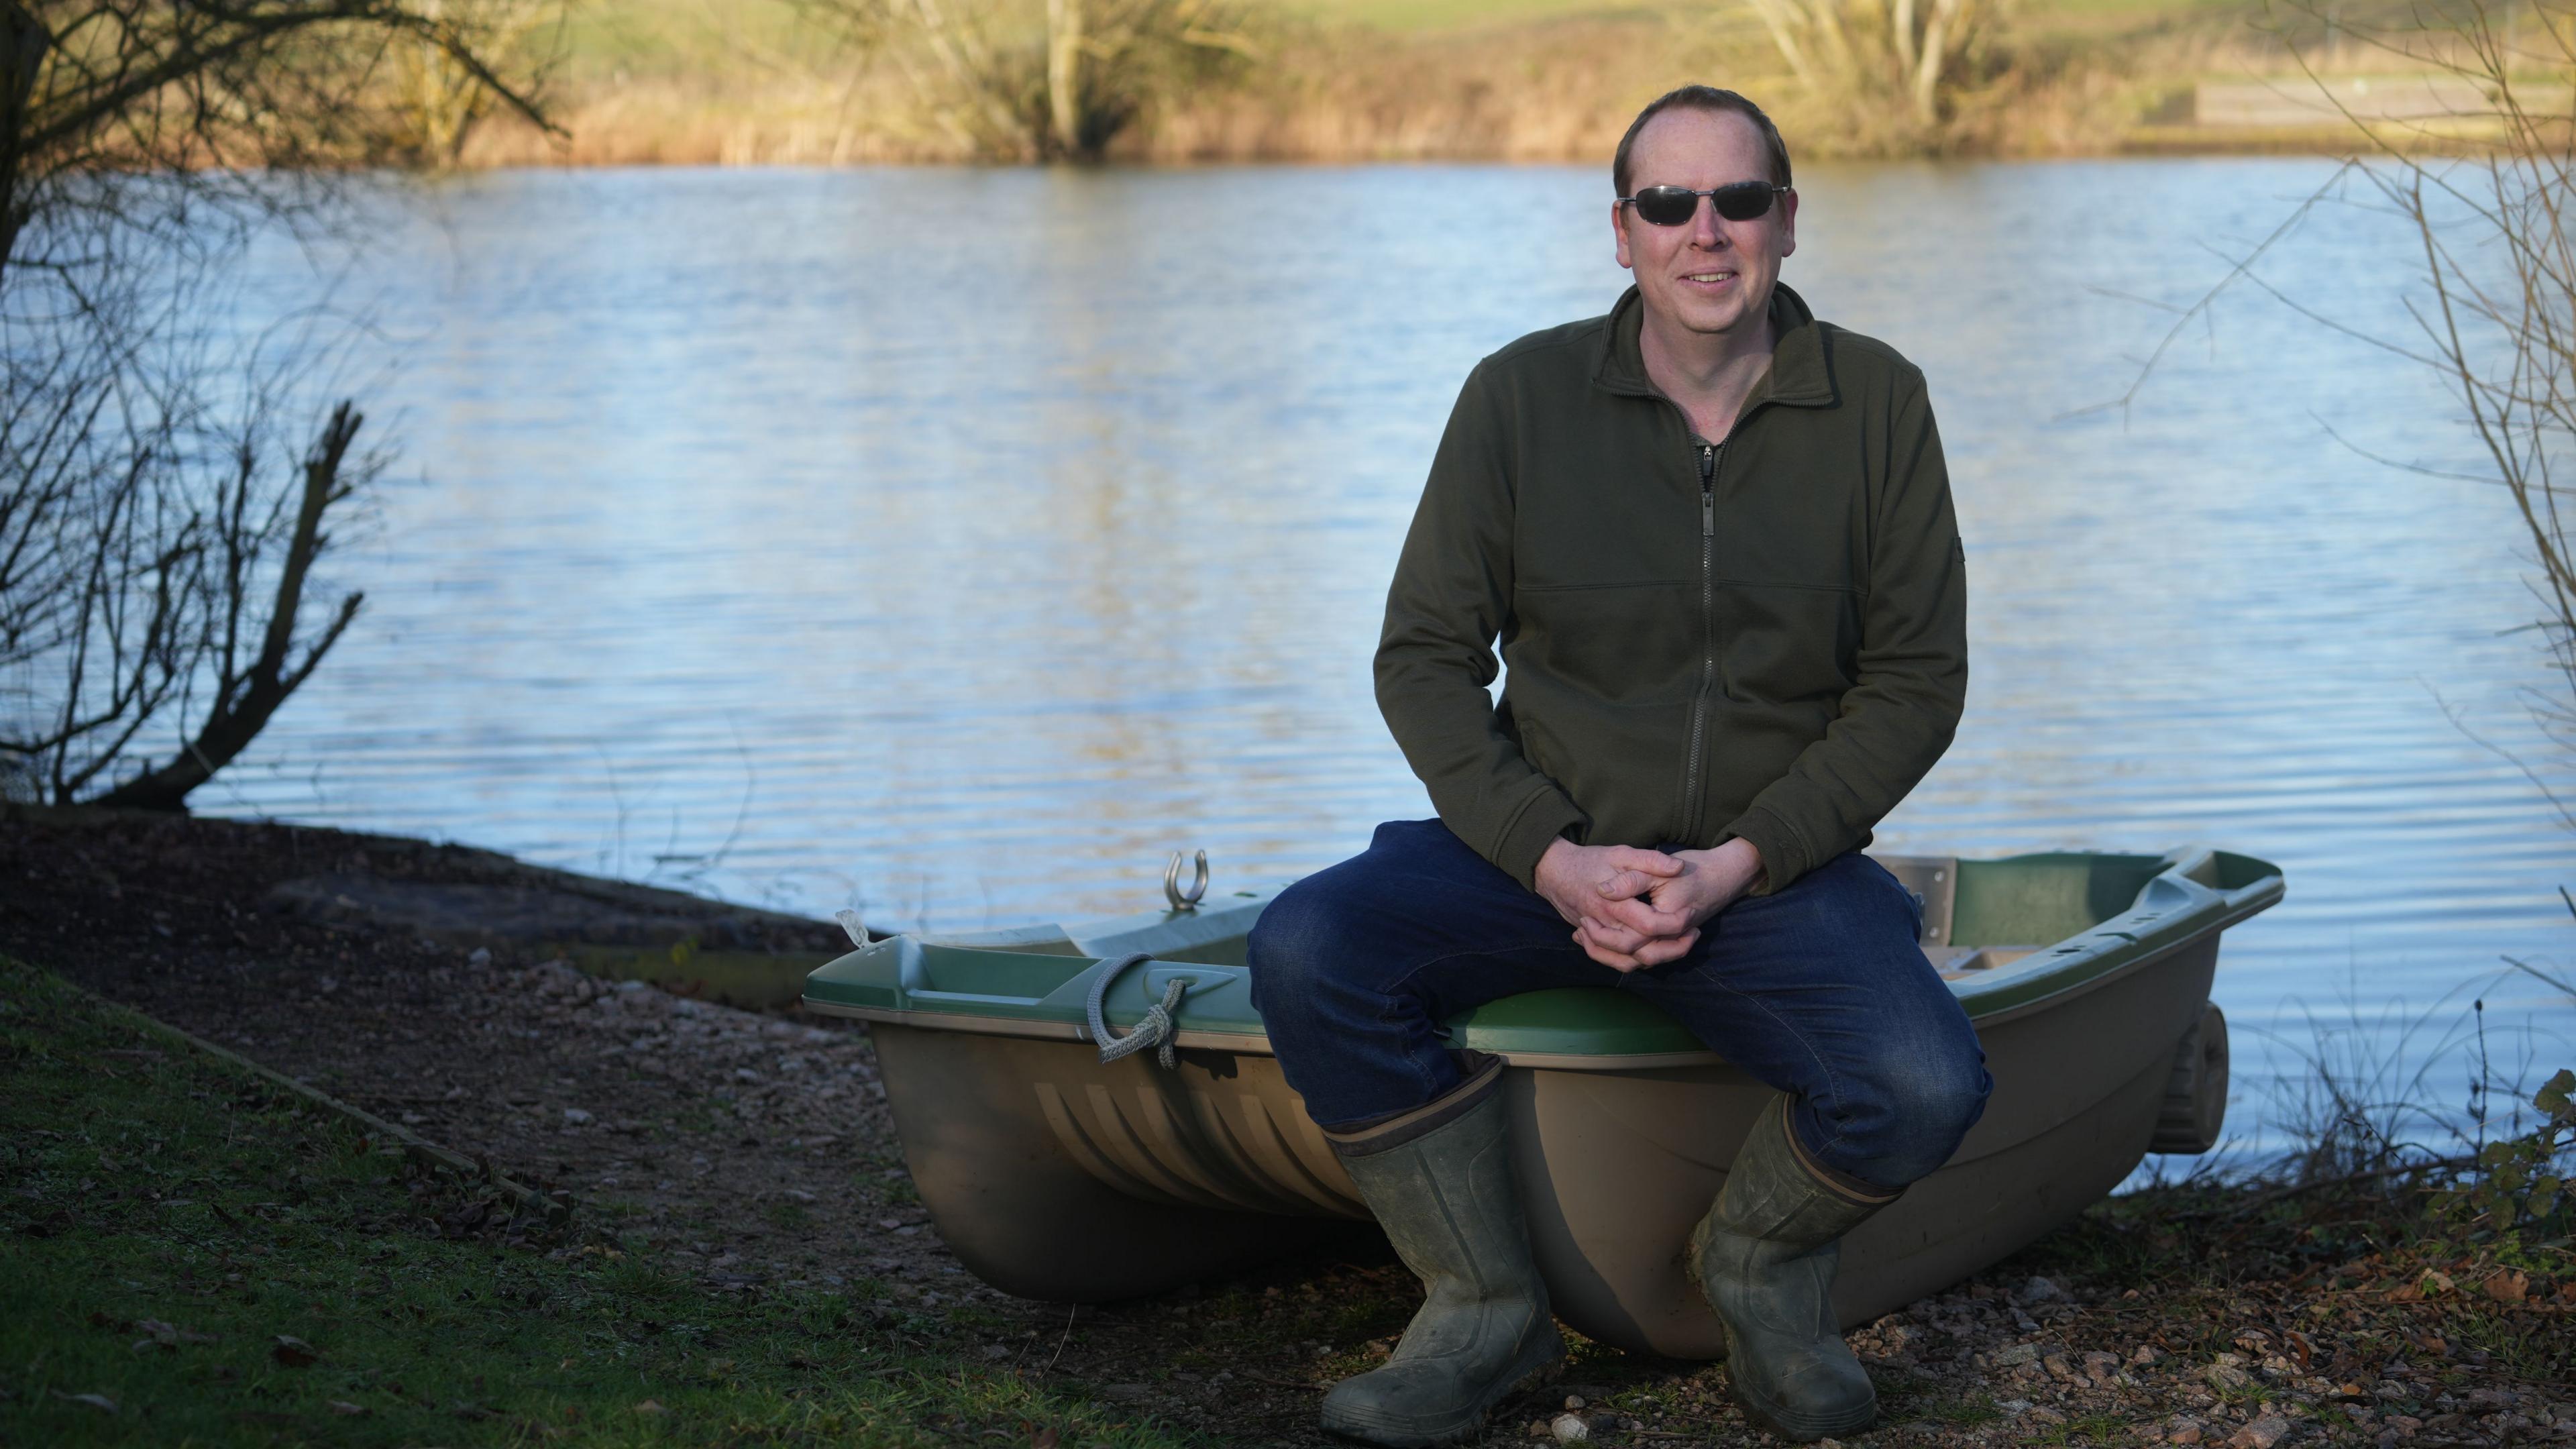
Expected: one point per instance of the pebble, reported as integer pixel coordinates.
(2263, 1433)
(1569, 1429)
(2039, 1290)
(575, 1117)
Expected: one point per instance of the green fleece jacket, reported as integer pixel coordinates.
(1762, 637)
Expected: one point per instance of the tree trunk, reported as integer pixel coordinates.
(1064, 74)
(23, 42)
(1927, 72)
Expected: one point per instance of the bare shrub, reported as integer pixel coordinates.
(1886, 64)
(437, 99)
(1031, 80)
(158, 529)
(2497, 250)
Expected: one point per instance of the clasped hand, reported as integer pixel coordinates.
(1632, 907)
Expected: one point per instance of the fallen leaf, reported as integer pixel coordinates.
(294, 1352)
(2509, 1286)
(651, 1406)
(1043, 1439)
(339, 1406)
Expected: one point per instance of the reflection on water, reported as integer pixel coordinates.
(960, 543)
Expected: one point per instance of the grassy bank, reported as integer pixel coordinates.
(190, 1256)
(756, 82)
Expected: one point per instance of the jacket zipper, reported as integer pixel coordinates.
(1710, 454)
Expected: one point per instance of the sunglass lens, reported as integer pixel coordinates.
(1667, 205)
(1742, 201)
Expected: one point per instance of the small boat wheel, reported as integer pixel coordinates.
(1197, 892)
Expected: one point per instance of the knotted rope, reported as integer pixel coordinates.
(1158, 1028)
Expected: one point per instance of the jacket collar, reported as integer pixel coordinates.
(1802, 366)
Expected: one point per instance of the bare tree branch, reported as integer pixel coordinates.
(244, 703)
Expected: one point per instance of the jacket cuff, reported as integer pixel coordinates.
(1547, 816)
(1785, 857)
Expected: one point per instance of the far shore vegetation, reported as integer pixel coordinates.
(836, 82)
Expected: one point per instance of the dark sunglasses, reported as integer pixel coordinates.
(1676, 205)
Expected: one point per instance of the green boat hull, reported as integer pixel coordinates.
(1054, 1176)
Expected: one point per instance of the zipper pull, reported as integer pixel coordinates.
(1708, 490)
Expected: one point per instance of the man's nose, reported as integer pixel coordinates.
(1707, 232)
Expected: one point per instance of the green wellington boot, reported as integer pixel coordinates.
(1765, 1257)
(1440, 1181)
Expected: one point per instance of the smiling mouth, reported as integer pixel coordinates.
(1709, 278)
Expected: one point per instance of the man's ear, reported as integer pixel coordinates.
(1619, 234)
(1788, 222)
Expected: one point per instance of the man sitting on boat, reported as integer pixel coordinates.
(1714, 539)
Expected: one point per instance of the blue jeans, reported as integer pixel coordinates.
(1818, 990)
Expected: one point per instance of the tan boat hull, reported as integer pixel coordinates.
(1055, 1177)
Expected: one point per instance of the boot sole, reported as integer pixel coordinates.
(1392, 1435)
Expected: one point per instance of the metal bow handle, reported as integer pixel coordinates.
(1197, 892)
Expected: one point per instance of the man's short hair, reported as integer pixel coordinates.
(1702, 98)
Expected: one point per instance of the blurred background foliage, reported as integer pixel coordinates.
(839, 81)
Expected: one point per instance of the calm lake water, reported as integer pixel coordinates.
(957, 544)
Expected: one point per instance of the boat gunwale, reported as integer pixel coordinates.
(2093, 958)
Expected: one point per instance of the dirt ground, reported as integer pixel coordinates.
(754, 1151)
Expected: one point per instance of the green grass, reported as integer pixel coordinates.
(602, 39)
(189, 1256)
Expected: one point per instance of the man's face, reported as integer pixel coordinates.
(1709, 275)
